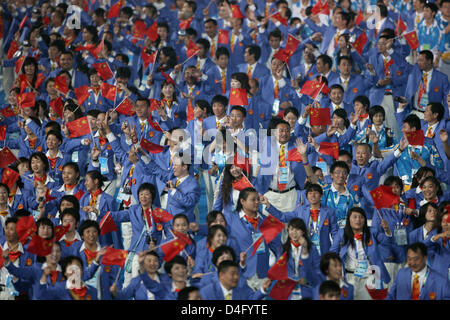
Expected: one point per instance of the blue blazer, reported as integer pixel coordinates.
(356, 86)
(440, 260)
(259, 72)
(213, 291)
(59, 292)
(137, 289)
(347, 291)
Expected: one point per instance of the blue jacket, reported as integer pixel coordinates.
(213, 291)
(59, 292)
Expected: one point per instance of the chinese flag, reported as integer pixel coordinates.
(256, 244)
(319, 116)
(86, 47)
(400, 25)
(185, 23)
(191, 49)
(2, 132)
(168, 78)
(294, 156)
(39, 80)
(282, 289)
(271, 227)
(291, 45)
(104, 70)
(79, 127)
(95, 51)
(415, 138)
(154, 105)
(377, 294)
(39, 246)
(125, 107)
(411, 38)
(115, 10)
(9, 177)
(13, 47)
(151, 32)
(57, 106)
(140, 29)
(114, 257)
(312, 88)
(236, 12)
(22, 23)
(79, 194)
(182, 236)
(172, 248)
(242, 183)
(6, 157)
(82, 93)
(320, 8)
(60, 231)
(383, 197)
(109, 91)
(7, 112)
(150, 146)
(279, 269)
(107, 224)
(160, 216)
(222, 37)
(282, 55)
(61, 84)
(241, 162)
(25, 227)
(238, 97)
(359, 18)
(19, 64)
(279, 18)
(155, 125)
(147, 58)
(26, 100)
(360, 42)
(329, 148)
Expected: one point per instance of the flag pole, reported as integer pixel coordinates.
(252, 244)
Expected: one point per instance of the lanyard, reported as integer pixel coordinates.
(314, 229)
(356, 249)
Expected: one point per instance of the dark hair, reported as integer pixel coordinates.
(383, 10)
(421, 220)
(182, 216)
(437, 107)
(364, 100)
(46, 222)
(212, 230)
(339, 164)
(329, 287)
(28, 61)
(342, 58)
(394, 179)
(432, 6)
(13, 219)
(296, 223)
(41, 156)
(376, 109)
(219, 251)
(413, 121)
(222, 51)
(276, 33)
(219, 99)
(341, 113)
(435, 181)
(53, 125)
(243, 195)
(88, 224)
(71, 212)
(254, 50)
(176, 260)
(22, 213)
(326, 60)
(185, 292)
(337, 86)
(212, 216)
(123, 72)
(93, 31)
(72, 165)
(150, 187)
(243, 80)
(225, 265)
(292, 110)
(348, 231)
(440, 215)
(204, 42)
(325, 261)
(57, 134)
(67, 261)
(314, 187)
(428, 55)
(419, 174)
(241, 109)
(4, 185)
(416, 247)
(96, 175)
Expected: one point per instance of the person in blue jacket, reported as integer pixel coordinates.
(426, 226)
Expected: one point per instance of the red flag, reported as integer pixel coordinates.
(172, 248)
(114, 257)
(61, 84)
(320, 8)
(271, 227)
(312, 88)
(9, 177)
(319, 116)
(383, 197)
(22, 23)
(291, 45)
(26, 100)
(104, 70)
(109, 91)
(168, 78)
(279, 270)
(377, 294)
(6, 157)
(223, 36)
(360, 42)
(282, 289)
(79, 194)
(57, 106)
(182, 236)
(155, 125)
(7, 112)
(329, 148)
(39, 80)
(400, 25)
(150, 146)
(13, 47)
(242, 183)
(359, 18)
(107, 224)
(147, 58)
(294, 156)
(2, 132)
(151, 32)
(238, 97)
(79, 127)
(154, 105)
(25, 227)
(39, 246)
(280, 18)
(282, 55)
(140, 29)
(236, 12)
(191, 49)
(257, 244)
(241, 162)
(82, 93)
(96, 51)
(88, 47)
(416, 138)
(19, 64)
(125, 107)
(411, 38)
(60, 231)
(185, 23)
(160, 216)
(115, 10)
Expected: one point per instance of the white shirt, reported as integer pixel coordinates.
(181, 181)
(422, 273)
(351, 261)
(331, 48)
(274, 183)
(226, 292)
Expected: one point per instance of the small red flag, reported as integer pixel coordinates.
(291, 45)
(96, 51)
(160, 216)
(9, 177)
(150, 146)
(242, 183)
(19, 64)
(282, 55)
(57, 106)
(2, 132)
(147, 58)
(154, 105)
(109, 91)
(79, 127)
(115, 10)
(223, 36)
(383, 197)
(140, 29)
(39, 246)
(39, 80)
(294, 156)
(282, 289)
(360, 42)
(104, 70)
(151, 32)
(400, 25)
(13, 47)
(155, 125)
(257, 244)
(279, 270)
(107, 224)
(82, 93)
(125, 107)
(191, 49)
(241, 162)
(238, 97)
(60, 231)
(25, 227)
(312, 88)
(411, 38)
(329, 148)
(280, 18)
(182, 236)
(416, 138)
(236, 12)
(6, 157)
(26, 100)
(172, 248)
(1, 257)
(79, 194)
(377, 294)
(359, 18)
(114, 257)
(185, 23)
(320, 8)
(168, 78)
(7, 112)
(319, 116)
(22, 23)
(61, 84)
(271, 227)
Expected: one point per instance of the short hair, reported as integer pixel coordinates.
(337, 86)
(57, 134)
(46, 222)
(254, 50)
(383, 10)
(219, 99)
(432, 6)
(240, 109)
(342, 58)
(149, 187)
(96, 175)
(276, 33)
(59, 44)
(222, 51)
(428, 55)
(41, 156)
(225, 265)
(345, 16)
(314, 187)
(71, 212)
(325, 261)
(180, 216)
(418, 246)
(435, 181)
(53, 125)
(88, 224)
(210, 20)
(393, 179)
(176, 260)
(364, 100)
(123, 72)
(376, 109)
(212, 230)
(212, 216)
(329, 286)
(292, 110)
(68, 260)
(9, 220)
(219, 251)
(341, 113)
(339, 164)
(202, 104)
(185, 292)
(326, 60)
(204, 42)
(413, 120)
(437, 107)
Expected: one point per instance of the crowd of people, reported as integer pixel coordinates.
(225, 150)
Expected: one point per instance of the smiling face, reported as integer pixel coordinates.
(429, 190)
(334, 270)
(90, 235)
(416, 261)
(251, 204)
(357, 221)
(295, 234)
(45, 231)
(151, 264)
(363, 155)
(181, 225)
(219, 239)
